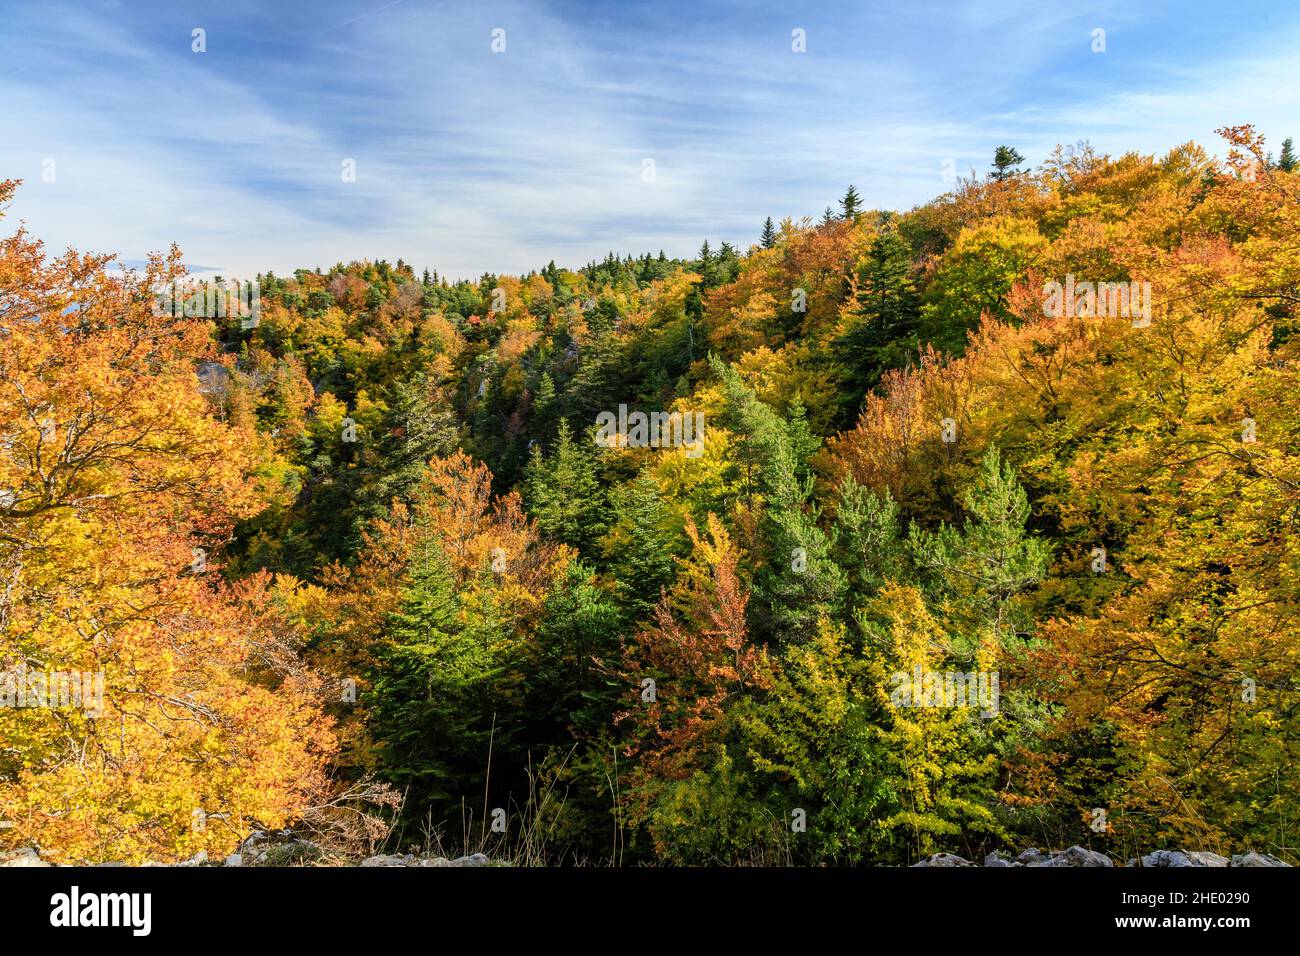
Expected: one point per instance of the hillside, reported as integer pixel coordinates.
(962, 529)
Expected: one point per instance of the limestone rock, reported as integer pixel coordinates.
(26, 856)
(1256, 859)
(944, 859)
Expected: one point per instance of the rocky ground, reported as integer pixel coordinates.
(263, 849)
(1078, 856)
(274, 849)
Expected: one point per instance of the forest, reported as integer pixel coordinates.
(875, 534)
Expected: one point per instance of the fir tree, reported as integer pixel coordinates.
(563, 493)
(430, 687)
(851, 205)
(883, 333)
(979, 570)
(1005, 159)
(1287, 162)
(641, 545)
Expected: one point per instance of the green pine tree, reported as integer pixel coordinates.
(883, 333)
(1287, 162)
(642, 543)
(563, 493)
(851, 205)
(980, 570)
(1005, 159)
(431, 689)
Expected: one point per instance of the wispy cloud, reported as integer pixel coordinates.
(469, 160)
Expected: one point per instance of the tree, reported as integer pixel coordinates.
(769, 234)
(1287, 162)
(939, 764)
(697, 653)
(563, 494)
(432, 688)
(118, 485)
(980, 570)
(1005, 159)
(870, 547)
(976, 277)
(883, 330)
(851, 205)
(815, 734)
(641, 545)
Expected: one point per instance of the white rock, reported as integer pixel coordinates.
(22, 857)
(1256, 859)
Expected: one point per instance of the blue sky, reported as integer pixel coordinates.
(470, 161)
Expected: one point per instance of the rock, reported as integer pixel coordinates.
(998, 858)
(1181, 858)
(234, 859)
(1080, 856)
(1256, 859)
(287, 854)
(1074, 856)
(435, 861)
(387, 859)
(474, 859)
(26, 856)
(936, 859)
(198, 859)
(252, 840)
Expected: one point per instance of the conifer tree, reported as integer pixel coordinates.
(883, 333)
(642, 544)
(851, 205)
(563, 494)
(431, 686)
(980, 570)
(1287, 162)
(1005, 159)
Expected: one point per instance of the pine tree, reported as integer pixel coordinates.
(579, 650)
(980, 570)
(1005, 158)
(430, 686)
(851, 205)
(769, 234)
(1287, 162)
(707, 269)
(642, 544)
(544, 404)
(883, 333)
(869, 540)
(799, 581)
(563, 493)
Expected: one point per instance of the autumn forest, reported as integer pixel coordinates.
(869, 535)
